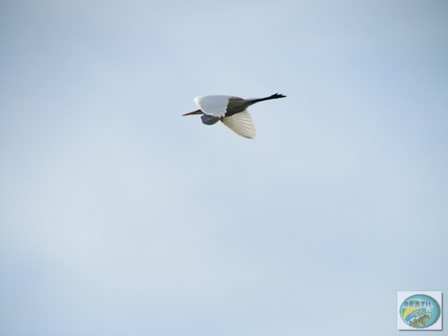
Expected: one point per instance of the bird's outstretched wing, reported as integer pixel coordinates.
(215, 105)
(241, 123)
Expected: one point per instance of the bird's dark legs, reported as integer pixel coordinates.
(274, 96)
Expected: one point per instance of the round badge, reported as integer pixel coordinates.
(420, 311)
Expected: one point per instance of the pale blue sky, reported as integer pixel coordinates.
(120, 217)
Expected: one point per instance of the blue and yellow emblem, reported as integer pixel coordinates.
(420, 311)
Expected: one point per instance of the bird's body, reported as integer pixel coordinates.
(230, 110)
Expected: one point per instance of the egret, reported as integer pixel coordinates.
(232, 111)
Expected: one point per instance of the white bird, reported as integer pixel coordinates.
(230, 110)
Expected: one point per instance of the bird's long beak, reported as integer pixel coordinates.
(191, 113)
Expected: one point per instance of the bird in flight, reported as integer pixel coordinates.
(232, 111)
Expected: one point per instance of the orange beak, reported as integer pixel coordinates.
(192, 113)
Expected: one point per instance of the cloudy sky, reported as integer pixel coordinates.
(120, 217)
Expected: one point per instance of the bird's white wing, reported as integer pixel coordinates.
(241, 123)
(213, 105)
